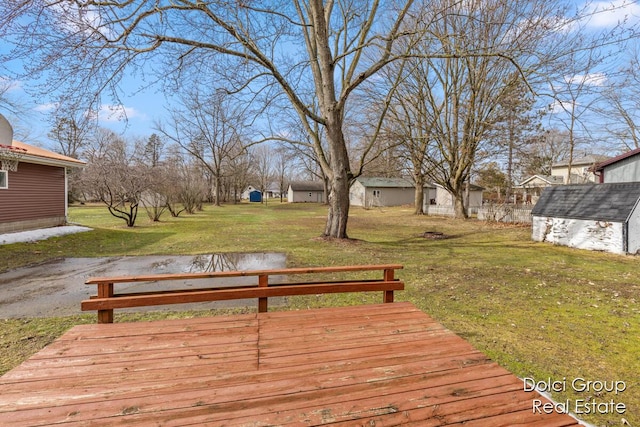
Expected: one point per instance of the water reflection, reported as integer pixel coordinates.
(56, 288)
(236, 262)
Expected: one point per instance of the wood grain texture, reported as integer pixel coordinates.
(384, 364)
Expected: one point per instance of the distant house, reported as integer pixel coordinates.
(623, 168)
(375, 192)
(305, 192)
(534, 185)
(581, 169)
(603, 217)
(581, 173)
(34, 195)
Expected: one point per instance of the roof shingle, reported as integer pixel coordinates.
(599, 202)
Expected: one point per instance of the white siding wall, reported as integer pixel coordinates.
(389, 196)
(305, 196)
(356, 194)
(580, 174)
(582, 234)
(444, 198)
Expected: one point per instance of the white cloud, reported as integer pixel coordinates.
(44, 108)
(608, 14)
(592, 79)
(75, 19)
(559, 106)
(117, 113)
(9, 85)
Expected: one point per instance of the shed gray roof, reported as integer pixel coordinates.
(306, 186)
(600, 202)
(386, 182)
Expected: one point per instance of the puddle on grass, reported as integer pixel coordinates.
(56, 288)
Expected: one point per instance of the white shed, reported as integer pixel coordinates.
(305, 192)
(601, 217)
(376, 192)
(444, 198)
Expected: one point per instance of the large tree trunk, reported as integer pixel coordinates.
(217, 184)
(419, 194)
(459, 207)
(339, 180)
(338, 214)
(457, 189)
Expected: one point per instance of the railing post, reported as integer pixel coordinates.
(388, 277)
(263, 282)
(105, 290)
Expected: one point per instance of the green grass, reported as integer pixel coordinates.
(539, 310)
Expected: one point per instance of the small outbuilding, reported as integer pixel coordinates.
(601, 217)
(376, 192)
(255, 196)
(471, 200)
(305, 192)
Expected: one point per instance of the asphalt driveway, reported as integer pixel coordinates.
(56, 288)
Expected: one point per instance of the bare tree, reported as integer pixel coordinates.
(210, 129)
(238, 174)
(454, 100)
(621, 103)
(281, 169)
(313, 54)
(70, 129)
(517, 125)
(575, 96)
(263, 167)
(342, 44)
(410, 122)
(543, 151)
(158, 179)
(112, 177)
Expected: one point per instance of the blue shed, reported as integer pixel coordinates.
(255, 196)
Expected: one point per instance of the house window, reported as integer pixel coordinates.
(4, 180)
(376, 193)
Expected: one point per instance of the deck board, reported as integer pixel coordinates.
(385, 364)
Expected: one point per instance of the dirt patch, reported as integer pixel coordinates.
(434, 235)
(56, 288)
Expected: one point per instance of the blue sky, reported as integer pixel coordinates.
(142, 109)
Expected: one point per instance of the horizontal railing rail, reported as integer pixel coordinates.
(107, 299)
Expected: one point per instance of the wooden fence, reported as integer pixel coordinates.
(502, 213)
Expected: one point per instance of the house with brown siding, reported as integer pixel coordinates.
(35, 194)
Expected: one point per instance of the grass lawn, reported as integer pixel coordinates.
(541, 311)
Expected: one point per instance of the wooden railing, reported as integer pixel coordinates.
(107, 300)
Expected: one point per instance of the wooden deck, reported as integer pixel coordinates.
(381, 365)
